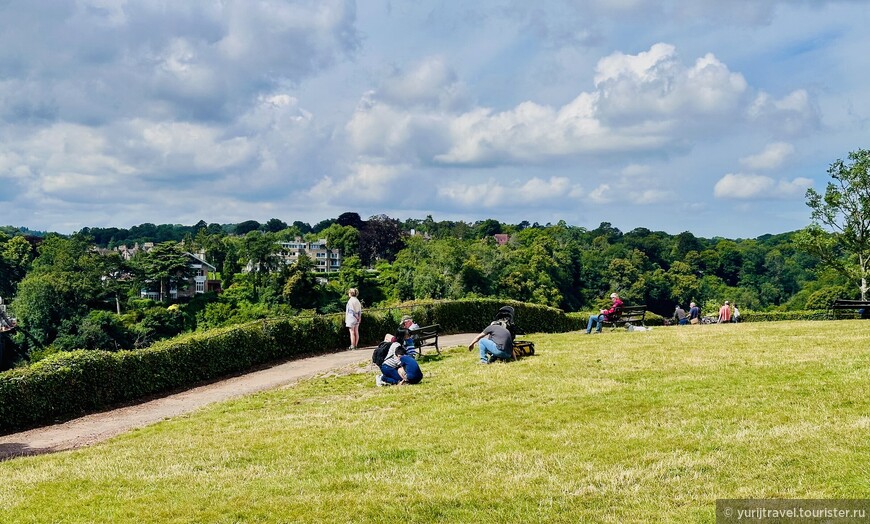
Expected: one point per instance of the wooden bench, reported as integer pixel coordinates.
(842, 304)
(626, 315)
(426, 336)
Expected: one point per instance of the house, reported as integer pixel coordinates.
(501, 238)
(198, 282)
(127, 253)
(325, 259)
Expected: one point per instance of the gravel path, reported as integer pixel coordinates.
(98, 427)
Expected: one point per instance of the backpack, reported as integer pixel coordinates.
(380, 353)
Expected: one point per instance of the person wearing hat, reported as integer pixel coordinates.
(603, 314)
(725, 312)
(408, 324)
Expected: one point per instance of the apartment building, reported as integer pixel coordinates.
(325, 259)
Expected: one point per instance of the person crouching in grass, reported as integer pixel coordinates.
(409, 370)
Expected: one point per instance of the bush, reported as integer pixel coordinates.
(823, 298)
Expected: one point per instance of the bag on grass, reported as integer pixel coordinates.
(695, 321)
(523, 348)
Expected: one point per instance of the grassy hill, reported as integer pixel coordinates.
(618, 427)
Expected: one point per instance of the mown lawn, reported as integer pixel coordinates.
(618, 427)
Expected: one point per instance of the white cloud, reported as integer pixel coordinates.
(602, 194)
(793, 114)
(493, 194)
(771, 157)
(651, 196)
(643, 103)
(367, 184)
(755, 187)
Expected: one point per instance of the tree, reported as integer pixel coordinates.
(16, 254)
(63, 284)
(844, 210)
(350, 219)
(273, 225)
(166, 264)
(260, 251)
(342, 238)
(300, 290)
(381, 238)
(243, 228)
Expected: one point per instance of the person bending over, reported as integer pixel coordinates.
(390, 367)
(409, 370)
(495, 342)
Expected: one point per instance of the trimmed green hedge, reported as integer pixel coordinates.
(776, 316)
(73, 383)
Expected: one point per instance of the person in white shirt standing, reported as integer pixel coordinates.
(353, 316)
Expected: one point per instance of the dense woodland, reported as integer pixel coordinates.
(70, 295)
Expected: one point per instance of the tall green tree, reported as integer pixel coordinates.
(16, 255)
(260, 250)
(166, 264)
(840, 232)
(300, 290)
(64, 283)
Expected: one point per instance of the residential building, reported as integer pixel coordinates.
(325, 259)
(198, 282)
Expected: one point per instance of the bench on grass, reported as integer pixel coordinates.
(860, 307)
(426, 336)
(626, 315)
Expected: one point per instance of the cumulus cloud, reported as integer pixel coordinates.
(643, 103)
(197, 60)
(773, 156)
(754, 187)
(793, 114)
(493, 194)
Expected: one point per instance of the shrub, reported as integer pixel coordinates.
(823, 298)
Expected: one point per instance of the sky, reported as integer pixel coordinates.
(680, 115)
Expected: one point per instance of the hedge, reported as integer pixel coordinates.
(73, 383)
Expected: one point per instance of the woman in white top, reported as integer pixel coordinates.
(353, 316)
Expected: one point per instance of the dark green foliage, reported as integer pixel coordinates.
(823, 298)
(98, 330)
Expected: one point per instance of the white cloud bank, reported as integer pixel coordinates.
(756, 187)
(646, 102)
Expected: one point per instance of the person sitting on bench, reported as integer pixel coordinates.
(603, 314)
(408, 323)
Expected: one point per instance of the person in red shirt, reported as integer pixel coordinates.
(603, 314)
(725, 313)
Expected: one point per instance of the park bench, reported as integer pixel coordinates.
(625, 316)
(860, 308)
(426, 336)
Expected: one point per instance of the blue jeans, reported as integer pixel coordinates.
(683, 321)
(391, 374)
(594, 319)
(488, 347)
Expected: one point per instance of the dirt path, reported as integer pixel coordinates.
(98, 427)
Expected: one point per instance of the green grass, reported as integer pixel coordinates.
(619, 427)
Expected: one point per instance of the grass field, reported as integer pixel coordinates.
(618, 427)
